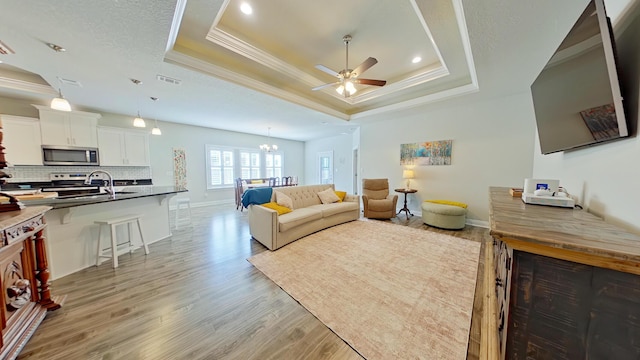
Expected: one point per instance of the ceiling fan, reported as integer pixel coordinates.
(347, 78)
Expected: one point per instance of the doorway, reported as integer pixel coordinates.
(325, 167)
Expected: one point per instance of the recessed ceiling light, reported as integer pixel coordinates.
(416, 59)
(57, 48)
(246, 8)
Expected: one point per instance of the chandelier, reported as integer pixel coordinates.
(267, 147)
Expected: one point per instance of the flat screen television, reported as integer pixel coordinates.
(576, 97)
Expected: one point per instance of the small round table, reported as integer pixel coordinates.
(405, 208)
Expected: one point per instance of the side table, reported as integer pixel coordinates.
(405, 208)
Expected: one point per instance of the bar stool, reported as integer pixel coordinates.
(183, 212)
(113, 224)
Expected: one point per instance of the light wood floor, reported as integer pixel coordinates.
(196, 297)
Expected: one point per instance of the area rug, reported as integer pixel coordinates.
(389, 291)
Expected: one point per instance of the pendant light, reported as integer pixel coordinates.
(156, 130)
(59, 103)
(138, 121)
(268, 147)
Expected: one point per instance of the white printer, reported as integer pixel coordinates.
(546, 192)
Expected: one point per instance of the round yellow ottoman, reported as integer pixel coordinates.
(444, 214)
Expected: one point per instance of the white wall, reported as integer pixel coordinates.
(342, 147)
(604, 178)
(492, 146)
(193, 139)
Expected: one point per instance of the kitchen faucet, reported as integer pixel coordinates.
(111, 191)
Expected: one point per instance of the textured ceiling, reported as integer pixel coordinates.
(248, 73)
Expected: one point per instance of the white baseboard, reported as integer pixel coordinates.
(477, 223)
(471, 222)
(207, 203)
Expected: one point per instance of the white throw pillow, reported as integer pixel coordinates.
(328, 196)
(283, 200)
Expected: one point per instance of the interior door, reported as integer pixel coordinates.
(355, 171)
(325, 167)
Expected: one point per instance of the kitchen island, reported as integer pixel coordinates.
(72, 235)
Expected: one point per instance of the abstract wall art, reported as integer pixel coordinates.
(179, 167)
(426, 153)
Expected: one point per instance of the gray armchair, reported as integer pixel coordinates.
(376, 200)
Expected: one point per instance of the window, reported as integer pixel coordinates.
(249, 164)
(273, 165)
(220, 165)
(224, 164)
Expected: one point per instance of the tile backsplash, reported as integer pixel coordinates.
(41, 173)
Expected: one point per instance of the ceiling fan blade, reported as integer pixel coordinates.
(364, 66)
(327, 70)
(325, 85)
(371, 82)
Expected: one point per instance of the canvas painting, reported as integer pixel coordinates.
(426, 153)
(179, 167)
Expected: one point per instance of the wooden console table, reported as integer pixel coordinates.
(567, 284)
(24, 278)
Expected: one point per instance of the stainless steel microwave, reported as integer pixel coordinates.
(69, 155)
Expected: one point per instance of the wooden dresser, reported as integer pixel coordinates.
(567, 283)
(24, 278)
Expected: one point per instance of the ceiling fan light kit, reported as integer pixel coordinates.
(347, 78)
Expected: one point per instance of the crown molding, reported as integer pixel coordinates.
(14, 84)
(220, 72)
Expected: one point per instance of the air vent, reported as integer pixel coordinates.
(169, 80)
(69, 82)
(5, 50)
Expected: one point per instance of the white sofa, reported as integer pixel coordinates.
(308, 216)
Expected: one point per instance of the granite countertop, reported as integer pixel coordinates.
(126, 193)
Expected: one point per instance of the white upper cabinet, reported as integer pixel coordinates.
(68, 128)
(122, 147)
(21, 139)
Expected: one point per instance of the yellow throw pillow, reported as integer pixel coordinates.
(341, 195)
(274, 206)
(448, 202)
(256, 181)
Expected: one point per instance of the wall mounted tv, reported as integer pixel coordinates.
(576, 97)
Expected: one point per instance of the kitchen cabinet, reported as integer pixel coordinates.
(68, 128)
(24, 278)
(122, 147)
(21, 140)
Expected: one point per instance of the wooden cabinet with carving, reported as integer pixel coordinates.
(24, 278)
